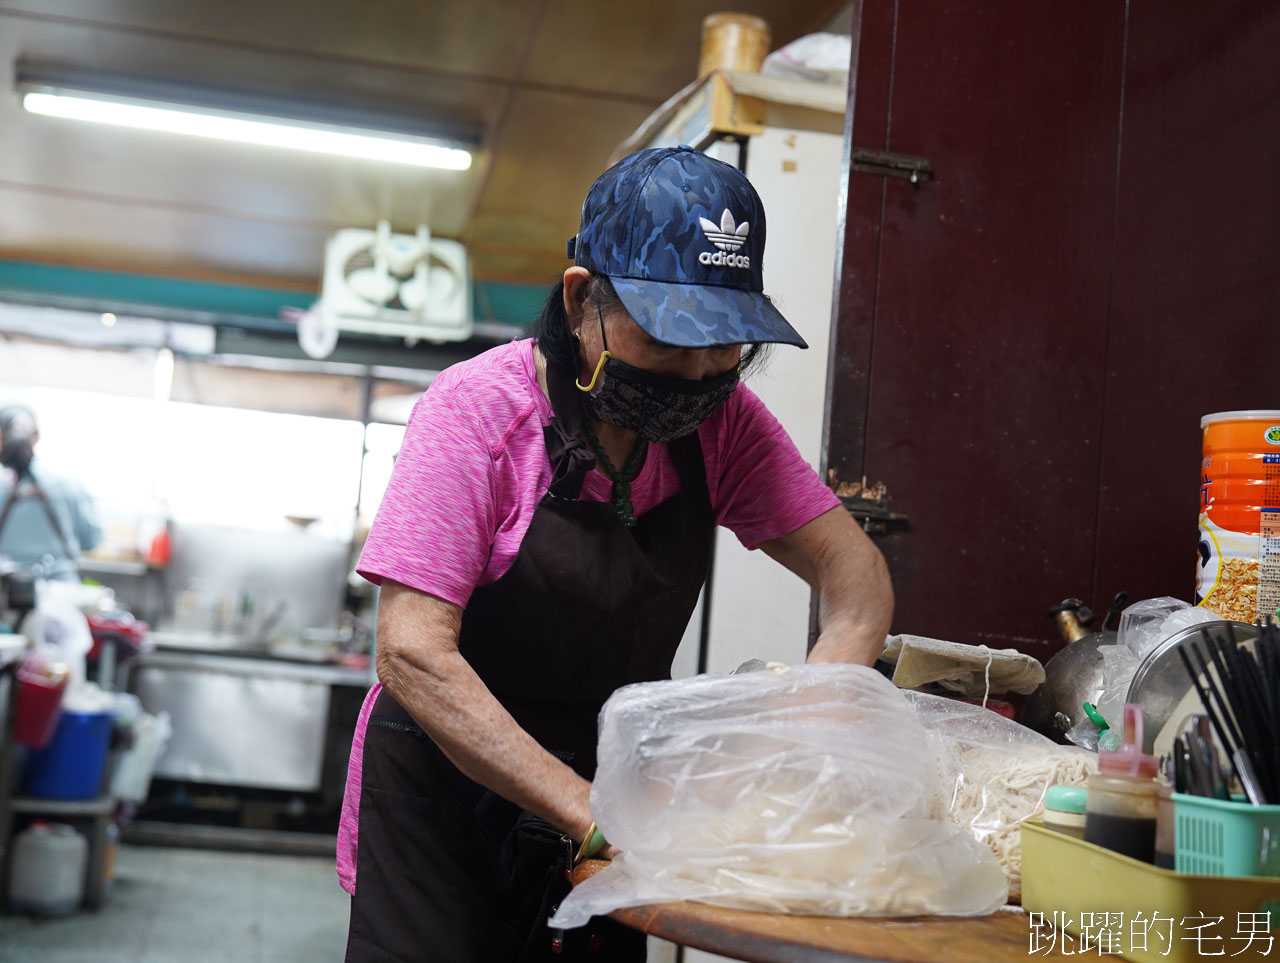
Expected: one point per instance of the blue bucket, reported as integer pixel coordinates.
(71, 766)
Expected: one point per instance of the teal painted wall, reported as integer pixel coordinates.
(95, 289)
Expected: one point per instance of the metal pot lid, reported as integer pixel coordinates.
(1072, 677)
(1163, 689)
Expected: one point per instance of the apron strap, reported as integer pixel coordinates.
(8, 507)
(691, 467)
(571, 457)
(48, 510)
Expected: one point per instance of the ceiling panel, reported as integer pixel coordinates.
(464, 106)
(552, 148)
(447, 35)
(183, 181)
(647, 49)
(529, 265)
(459, 103)
(547, 87)
(49, 154)
(130, 236)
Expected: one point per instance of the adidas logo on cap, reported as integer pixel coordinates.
(728, 237)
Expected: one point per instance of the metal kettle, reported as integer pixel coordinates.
(1074, 675)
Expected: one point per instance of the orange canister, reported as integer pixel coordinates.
(1239, 563)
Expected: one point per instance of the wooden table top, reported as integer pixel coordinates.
(775, 938)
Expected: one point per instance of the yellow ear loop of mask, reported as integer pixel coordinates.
(604, 356)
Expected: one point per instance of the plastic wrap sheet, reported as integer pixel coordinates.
(811, 790)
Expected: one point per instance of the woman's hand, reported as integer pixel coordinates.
(855, 596)
(420, 665)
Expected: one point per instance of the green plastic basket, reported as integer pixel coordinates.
(1217, 837)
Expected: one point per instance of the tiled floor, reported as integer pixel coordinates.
(189, 906)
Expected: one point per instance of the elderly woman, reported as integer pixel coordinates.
(543, 541)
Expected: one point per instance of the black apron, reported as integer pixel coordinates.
(37, 492)
(447, 870)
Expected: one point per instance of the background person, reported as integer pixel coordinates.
(44, 518)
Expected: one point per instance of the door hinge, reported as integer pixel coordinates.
(917, 170)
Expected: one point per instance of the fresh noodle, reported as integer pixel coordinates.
(994, 790)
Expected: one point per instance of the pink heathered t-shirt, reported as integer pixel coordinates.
(473, 467)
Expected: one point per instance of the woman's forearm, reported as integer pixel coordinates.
(419, 664)
(854, 618)
(855, 595)
(848, 573)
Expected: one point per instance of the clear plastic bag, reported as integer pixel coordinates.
(1118, 667)
(60, 633)
(995, 773)
(811, 789)
(1145, 624)
(822, 57)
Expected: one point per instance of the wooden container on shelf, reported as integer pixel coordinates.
(733, 41)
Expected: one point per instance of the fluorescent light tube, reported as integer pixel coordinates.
(248, 129)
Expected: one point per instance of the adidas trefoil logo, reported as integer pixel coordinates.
(728, 237)
(725, 236)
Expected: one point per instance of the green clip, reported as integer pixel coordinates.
(1092, 712)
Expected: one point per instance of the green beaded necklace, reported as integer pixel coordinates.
(621, 479)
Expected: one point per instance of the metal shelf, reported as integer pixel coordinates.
(101, 806)
(112, 566)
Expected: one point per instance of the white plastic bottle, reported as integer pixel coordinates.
(47, 875)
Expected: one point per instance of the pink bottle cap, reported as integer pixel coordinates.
(1129, 759)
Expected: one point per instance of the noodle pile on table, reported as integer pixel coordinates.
(998, 790)
(996, 774)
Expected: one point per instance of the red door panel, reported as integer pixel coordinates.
(971, 333)
(1195, 317)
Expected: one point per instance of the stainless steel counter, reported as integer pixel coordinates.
(241, 721)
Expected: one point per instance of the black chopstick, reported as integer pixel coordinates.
(1266, 646)
(1218, 727)
(1247, 696)
(1225, 684)
(1232, 736)
(1241, 697)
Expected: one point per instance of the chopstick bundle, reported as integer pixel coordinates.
(1240, 691)
(1227, 732)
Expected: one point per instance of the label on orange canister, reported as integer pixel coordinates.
(1239, 562)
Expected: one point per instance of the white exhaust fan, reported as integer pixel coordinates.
(410, 286)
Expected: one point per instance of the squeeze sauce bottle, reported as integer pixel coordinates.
(1120, 814)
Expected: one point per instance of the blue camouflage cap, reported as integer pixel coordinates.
(681, 236)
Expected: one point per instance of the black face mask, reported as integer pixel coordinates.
(17, 454)
(17, 439)
(658, 408)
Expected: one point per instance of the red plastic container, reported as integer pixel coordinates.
(129, 635)
(38, 705)
(995, 705)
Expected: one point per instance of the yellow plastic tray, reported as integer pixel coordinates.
(1075, 885)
